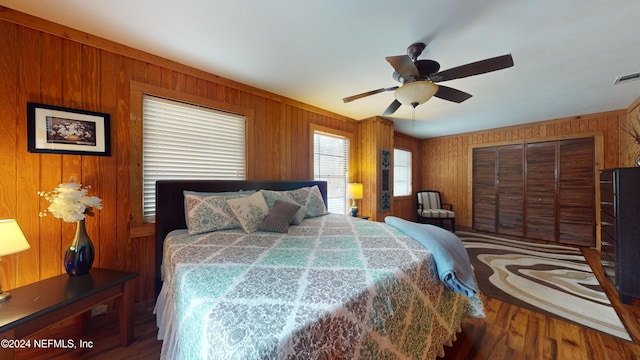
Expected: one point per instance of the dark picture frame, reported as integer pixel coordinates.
(60, 130)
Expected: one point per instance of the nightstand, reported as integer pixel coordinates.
(39, 305)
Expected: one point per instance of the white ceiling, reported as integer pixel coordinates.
(567, 53)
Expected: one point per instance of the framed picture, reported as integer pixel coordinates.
(58, 130)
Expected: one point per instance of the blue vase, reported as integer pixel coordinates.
(78, 258)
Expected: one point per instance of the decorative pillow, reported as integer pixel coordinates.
(249, 211)
(270, 196)
(279, 217)
(204, 194)
(224, 193)
(310, 198)
(206, 213)
(300, 214)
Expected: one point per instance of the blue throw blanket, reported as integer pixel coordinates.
(450, 256)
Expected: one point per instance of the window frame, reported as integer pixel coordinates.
(410, 175)
(137, 90)
(188, 141)
(313, 128)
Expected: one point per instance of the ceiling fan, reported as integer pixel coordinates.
(419, 78)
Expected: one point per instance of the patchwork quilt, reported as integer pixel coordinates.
(333, 287)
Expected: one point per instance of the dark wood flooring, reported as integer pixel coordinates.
(508, 332)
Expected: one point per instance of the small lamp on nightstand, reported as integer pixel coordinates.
(12, 240)
(354, 191)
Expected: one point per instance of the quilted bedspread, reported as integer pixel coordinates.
(334, 287)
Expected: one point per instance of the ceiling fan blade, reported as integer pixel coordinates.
(474, 68)
(403, 65)
(451, 94)
(392, 107)
(365, 94)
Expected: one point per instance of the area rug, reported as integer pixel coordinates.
(551, 279)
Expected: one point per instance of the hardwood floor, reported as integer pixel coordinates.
(105, 337)
(508, 332)
(512, 332)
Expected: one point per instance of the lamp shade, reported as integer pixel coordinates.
(12, 239)
(354, 191)
(415, 93)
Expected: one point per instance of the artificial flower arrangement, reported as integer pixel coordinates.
(70, 202)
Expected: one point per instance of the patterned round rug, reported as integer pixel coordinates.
(551, 279)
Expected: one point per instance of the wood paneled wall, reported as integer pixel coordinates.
(630, 148)
(406, 206)
(446, 161)
(373, 135)
(48, 63)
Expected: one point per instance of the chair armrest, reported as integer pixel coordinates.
(449, 205)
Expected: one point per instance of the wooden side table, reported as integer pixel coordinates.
(36, 306)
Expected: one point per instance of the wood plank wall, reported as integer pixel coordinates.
(48, 63)
(630, 148)
(406, 206)
(438, 154)
(373, 135)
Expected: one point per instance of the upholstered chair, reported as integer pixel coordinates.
(431, 208)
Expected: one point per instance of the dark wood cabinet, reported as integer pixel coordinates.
(620, 229)
(539, 190)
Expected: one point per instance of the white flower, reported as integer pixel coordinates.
(70, 202)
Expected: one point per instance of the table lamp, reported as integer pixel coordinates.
(12, 240)
(354, 191)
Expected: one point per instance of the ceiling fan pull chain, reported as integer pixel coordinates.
(413, 126)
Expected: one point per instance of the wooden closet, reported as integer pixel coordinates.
(538, 190)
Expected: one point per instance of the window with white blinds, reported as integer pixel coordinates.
(183, 141)
(401, 172)
(331, 164)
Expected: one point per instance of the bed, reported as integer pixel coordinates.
(326, 287)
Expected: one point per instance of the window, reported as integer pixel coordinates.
(183, 141)
(401, 172)
(331, 164)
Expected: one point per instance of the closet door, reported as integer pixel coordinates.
(576, 192)
(510, 204)
(484, 189)
(541, 209)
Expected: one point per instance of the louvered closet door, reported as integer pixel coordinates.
(576, 192)
(541, 191)
(510, 190)
(484, 189)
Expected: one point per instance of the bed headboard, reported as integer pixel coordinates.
(170, 203)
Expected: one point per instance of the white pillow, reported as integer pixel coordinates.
(249, 211)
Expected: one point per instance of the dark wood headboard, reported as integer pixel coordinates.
(170, 203)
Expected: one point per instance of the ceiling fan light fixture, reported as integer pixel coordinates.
(415, 93)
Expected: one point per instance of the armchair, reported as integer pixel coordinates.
(431, 208)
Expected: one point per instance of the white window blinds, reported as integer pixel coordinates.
(331, 164)
(401, 172)
(183, 141)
